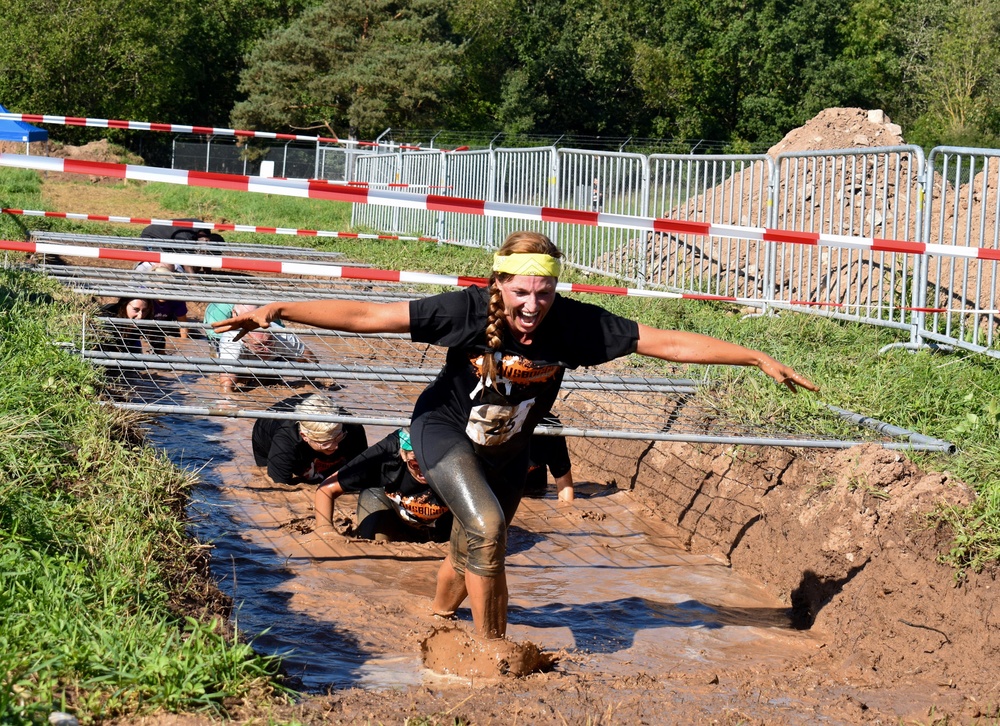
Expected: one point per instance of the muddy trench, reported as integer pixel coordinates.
(710, 578)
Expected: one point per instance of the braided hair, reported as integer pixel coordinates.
(523, 242)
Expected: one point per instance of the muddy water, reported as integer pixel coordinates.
(599, 579)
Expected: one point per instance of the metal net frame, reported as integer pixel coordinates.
(376, 379)
(174, 367)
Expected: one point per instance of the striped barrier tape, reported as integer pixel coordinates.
(104, 123)
(252, 264)
(212, 226)
(311, 189)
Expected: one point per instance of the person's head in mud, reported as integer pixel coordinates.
(303, 450)
(322, 436)
(508, 348)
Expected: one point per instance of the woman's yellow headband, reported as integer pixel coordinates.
(524, 263)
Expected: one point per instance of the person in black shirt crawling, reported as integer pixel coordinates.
(306, 451)
(395, 501)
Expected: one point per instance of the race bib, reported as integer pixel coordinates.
(491, 425)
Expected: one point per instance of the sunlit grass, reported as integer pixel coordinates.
(92, 544)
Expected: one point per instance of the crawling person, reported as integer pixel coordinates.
(305, 451)
(395, 502)
(508, 347)
(275, 344)
(124, 338)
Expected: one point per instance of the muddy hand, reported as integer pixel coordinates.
(246, 323)
(786, 376)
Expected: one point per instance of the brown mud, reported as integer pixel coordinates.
(685, 585)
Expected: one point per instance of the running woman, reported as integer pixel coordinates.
(508, 347)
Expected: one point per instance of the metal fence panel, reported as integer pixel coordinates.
(376, 169)
(423, 171)
(963, 208)
(732, 190)
(603, 182)
(525, 176)
(228, 155)
(336, 163)
(872, 193)
(470, 175)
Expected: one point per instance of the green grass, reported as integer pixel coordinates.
(92, 544)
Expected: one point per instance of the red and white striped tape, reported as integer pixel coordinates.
(104, 123)
(251, 264)
(212, 226)
(386, 185)
(460, 205)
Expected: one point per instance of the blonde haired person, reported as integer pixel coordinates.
(508, 346)
(306, 451)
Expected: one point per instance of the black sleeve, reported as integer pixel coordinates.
(590, 335)
(281, 456)
(365, 470)
(451, 319)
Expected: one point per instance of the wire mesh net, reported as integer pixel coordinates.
(165, 366)
(377, 379)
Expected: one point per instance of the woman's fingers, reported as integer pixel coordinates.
(787, 376)
(244, 323)
(798, 380)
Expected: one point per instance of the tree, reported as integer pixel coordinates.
(557, 67)
(354, 65)
(133, 59)
(957, 71)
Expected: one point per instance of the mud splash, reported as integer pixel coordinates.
(457, 652)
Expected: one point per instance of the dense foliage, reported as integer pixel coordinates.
(738, 71)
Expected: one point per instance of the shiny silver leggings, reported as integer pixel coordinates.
(482, 491)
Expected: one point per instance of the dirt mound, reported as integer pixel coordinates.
(841, 128)
(103, 151)
(845, 538)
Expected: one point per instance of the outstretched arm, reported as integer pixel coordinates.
(347, 315)
(682, 347)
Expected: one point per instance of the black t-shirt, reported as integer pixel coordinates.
(278, 446)
(380, 466)
(572, 334)
(166, 231)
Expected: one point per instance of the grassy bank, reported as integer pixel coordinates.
(104, 609)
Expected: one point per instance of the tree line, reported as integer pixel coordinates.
(743, 72)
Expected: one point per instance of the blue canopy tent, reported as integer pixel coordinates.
(20, 131)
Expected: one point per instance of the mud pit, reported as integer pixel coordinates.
(671, 601)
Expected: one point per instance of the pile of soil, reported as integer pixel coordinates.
(841, 128)
(102, 151)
